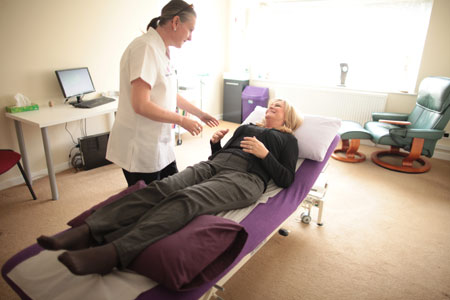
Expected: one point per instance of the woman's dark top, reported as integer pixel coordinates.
(279, 164)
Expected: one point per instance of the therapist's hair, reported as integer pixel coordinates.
(292, 120)
(172, 9)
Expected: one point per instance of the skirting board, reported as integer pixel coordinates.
(34, 175)
(441, 152)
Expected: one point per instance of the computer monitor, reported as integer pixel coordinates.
(75, 82)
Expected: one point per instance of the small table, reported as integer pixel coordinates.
(50, 116)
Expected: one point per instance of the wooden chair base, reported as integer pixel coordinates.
(407, 163)
(351, 152)
(409, 158)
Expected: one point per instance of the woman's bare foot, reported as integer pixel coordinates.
(96, 260)
(72, 239)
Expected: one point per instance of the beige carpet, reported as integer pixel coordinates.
(386, 235)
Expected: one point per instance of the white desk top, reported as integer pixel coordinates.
(61, 113)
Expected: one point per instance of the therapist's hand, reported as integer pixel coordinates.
(191, 125)
(209, 120)
(218, 135)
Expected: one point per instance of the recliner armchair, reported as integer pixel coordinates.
(417, 132)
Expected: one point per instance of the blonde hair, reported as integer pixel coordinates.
(292, 120)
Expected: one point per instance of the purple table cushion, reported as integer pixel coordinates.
(195, 254)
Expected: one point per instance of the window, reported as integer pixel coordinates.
(305, 42)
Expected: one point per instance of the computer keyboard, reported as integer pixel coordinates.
(93, 102)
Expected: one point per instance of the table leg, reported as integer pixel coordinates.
(319, 218)
(48, 157)
(23, 150)
(111, 118)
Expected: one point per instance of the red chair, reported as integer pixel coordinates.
(9, 158)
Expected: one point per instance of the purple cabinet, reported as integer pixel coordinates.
(253, 96)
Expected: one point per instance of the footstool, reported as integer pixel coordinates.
(351, 133)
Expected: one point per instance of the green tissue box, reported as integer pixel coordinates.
(16, 109)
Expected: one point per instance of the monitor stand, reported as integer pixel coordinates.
(79, 100)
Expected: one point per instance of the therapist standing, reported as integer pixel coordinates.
(142, 141)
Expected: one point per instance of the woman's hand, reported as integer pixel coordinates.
(218, 135)
(191, 125)
(209, 120)
(253, 146)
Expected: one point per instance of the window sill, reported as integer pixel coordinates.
(332, 87)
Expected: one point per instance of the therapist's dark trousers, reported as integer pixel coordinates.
(139, 219)
(133, 177)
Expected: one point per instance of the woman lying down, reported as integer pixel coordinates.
(233, 177)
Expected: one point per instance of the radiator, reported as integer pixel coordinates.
(341, 103)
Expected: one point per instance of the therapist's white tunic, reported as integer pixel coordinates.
(136, 143)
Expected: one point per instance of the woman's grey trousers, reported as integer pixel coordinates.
(163, 207)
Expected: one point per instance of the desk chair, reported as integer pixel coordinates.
(417, 132)
(9, 158)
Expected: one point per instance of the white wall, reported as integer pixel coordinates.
(39, 37)
(205, 54)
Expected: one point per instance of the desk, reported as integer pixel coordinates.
(50, 116)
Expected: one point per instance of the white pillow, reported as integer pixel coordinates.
(314, 136)
(257, 115)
